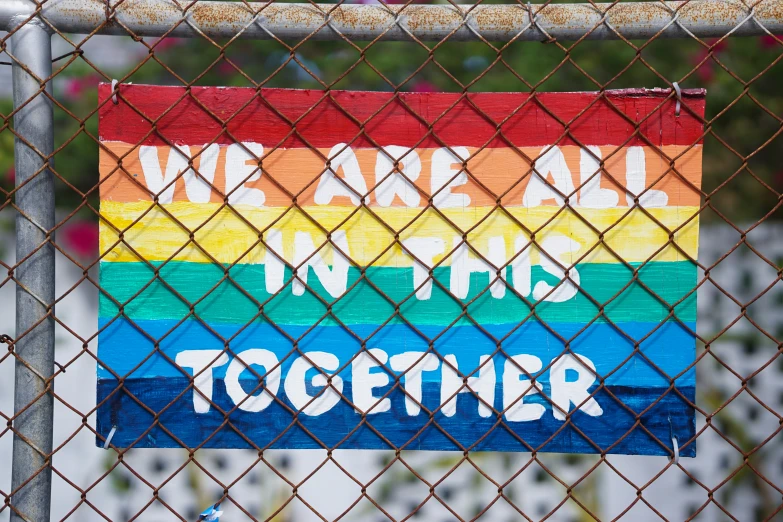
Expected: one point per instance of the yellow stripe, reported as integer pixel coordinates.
(227, 238)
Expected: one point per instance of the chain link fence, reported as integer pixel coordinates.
(55, 53)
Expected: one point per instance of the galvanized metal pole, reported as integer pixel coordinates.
(31, 482)
(326, 21)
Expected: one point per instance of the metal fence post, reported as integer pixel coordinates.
(34, 347)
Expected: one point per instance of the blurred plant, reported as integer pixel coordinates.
(391, 485)
(7, 174)
(80, 239)
(407, 66)
(712, 398)
(201, 498)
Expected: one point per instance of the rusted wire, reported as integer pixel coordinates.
(86, 205)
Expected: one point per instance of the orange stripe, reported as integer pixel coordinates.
(498, 169)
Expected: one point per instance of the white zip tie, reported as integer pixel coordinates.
(111, 435)
(677, 91)
(114, 94)
(675, 444)
(676, 447)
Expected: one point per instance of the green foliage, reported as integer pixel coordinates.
(745, 121)
(6, 149)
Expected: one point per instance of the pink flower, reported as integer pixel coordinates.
(76, 87)
(73, 88)
(702, 55)
(80, 238)
(225, 68)
(706, 71)
(163, 44)
(10, 176)
(718, 45)
(424, 86)
(769, 42)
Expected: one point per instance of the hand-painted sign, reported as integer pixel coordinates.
(395, 274)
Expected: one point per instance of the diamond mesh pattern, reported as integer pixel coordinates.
(738, 403)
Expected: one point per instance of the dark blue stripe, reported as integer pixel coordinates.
(670, 414)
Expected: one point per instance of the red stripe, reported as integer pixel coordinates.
(334, 119)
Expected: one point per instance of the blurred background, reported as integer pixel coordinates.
(743, 176)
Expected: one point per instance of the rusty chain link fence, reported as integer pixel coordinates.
(53, 55)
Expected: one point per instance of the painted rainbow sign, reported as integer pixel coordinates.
(395, 275)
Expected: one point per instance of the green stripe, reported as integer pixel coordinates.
(365, 305)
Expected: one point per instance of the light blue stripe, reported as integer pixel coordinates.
(671, 347)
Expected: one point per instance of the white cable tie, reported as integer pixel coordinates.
(113, 92)
(675, 444)
(111, 435)
(677, 91)
(676, 447)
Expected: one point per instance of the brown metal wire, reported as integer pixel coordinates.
(78, 56)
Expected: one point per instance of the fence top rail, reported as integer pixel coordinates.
(567, 22)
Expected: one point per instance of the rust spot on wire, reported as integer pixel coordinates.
(212, 15)
(502, 17)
